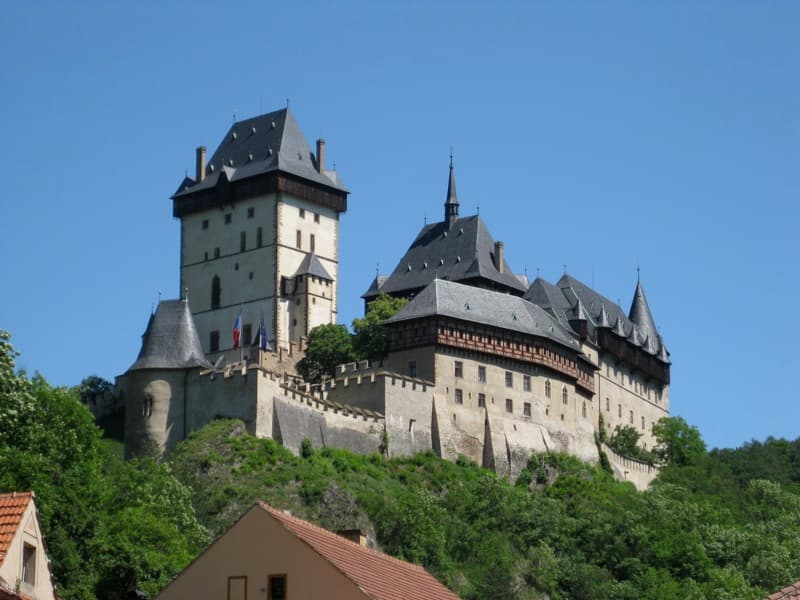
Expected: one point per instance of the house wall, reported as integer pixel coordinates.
(256, 547)
(11, 569)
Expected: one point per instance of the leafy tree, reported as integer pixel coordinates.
(94, 385)
(625, 441)
(678, 443)
(369, 339)
(328, 346)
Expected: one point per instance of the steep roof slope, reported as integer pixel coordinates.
(380, 576)
(12, 508)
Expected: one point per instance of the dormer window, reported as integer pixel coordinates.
(29, 564)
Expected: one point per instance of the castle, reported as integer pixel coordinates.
(481, 362)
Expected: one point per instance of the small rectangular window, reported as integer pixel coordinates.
(247, 334)
(299, 239)
(458, 369)
(459, 396)
(608, 405)
(526, 409)
(619, 410)
(509, 379)
(276, 588)
(316, 217)
(312, 242)
(526, 383)
(205, 255)
(509, 405)
(631, 418)
(481, 400)
(205, 223)
(213, 342)
(643, 425)
(29, 564)
(412, 368)
(216, 252)
(481, 374)
(242, 241)
(227, 218)
(302, 213)
(251, 212)
(259, 237)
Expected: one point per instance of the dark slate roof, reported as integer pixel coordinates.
(478, 305)
(375, 286)
(171, 340)
(464, 251)
(270, 142)
(569, 296)
(311, 265)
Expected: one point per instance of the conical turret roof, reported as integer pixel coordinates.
(640, 314)
(171, 340)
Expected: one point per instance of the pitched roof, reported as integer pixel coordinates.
(311, 265)
(171, 340)
(462, 252)
(12, 507)
(263, 144)
(791, 592)
(640, 314)
(479, 305)
(378, 575)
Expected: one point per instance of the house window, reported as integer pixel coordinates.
(481, 400)
(564, 395)
(481, 374)
(227, 218)
(526, 409)
(216, 291)
(276, 589)
(459, 396)
(259, 237)
(547, 389)
(251, 212)
(509, 379)
(205, 223)
(526, 383)
(509, 405)
(302, 213)
(242, 241)
(213, 341)
(237, 587)
(412, 368)
(312, 242)
(216, 252)
(458, 369)
(299, 242)
(29, 564)
(247, 334)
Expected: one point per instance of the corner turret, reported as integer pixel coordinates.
(451, 203)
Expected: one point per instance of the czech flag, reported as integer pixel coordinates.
(237, 330)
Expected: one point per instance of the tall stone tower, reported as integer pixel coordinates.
(260, 234)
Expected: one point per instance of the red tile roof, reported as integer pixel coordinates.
(791, 592)
(12, 507)
(378, 575)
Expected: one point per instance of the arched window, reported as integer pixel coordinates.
(564, 394)
(547, 388)
(216, 291)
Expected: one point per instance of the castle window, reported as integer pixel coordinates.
(251, 212)
(312, 242)
(509, 405)
(242, 241)
(250, 276)
(216, 252)
(509, 379)
(247, 334)
(294, 322)
(459, 394)
(213, 341)
(29, 564)
(547, 410)
(458, 369)
(526, 383)
(481, 374)
(583, 410)
(147, 405)
(205, 223)
(276, 589)
(302, 213)
(643, 424)
(631, 418)
(526, 409)
(481, 400)
(608, 404)
(564, 394)
(547, 389)
(316, 217)
(412, 368)
(259, 237)
(299, 242)
(216, 292)
(227, 218)
(619, 410)
(205, 256)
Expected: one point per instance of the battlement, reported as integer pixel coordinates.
(319, 401)
(628, 469)
(365, 372)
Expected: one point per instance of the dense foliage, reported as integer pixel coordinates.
(718, 525)
(369, 337)
(111, 526)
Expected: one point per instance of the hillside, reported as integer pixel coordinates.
(723, 524)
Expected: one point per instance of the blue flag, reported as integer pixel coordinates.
(262, 335)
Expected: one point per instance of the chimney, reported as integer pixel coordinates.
(354, 535)
(321, 155)
(498, 256)
(201, 163)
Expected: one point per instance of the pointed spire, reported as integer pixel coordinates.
(634, 336)
(663, 355)
(580, 312)
(602, 320)
(451, 204)
(619, 327)
(640, 313)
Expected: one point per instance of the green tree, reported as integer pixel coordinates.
(370, 339)
(328, 346)
(678, 443)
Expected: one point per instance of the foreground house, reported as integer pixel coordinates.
(269, 553)
(24, 567)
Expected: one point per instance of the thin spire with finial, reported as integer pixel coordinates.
(451, 203)
(638, 273)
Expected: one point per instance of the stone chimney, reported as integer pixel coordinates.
(321, 155)
(498, 256)
(201, 163)
(354, 535)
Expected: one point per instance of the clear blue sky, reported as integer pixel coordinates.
(595, 135)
